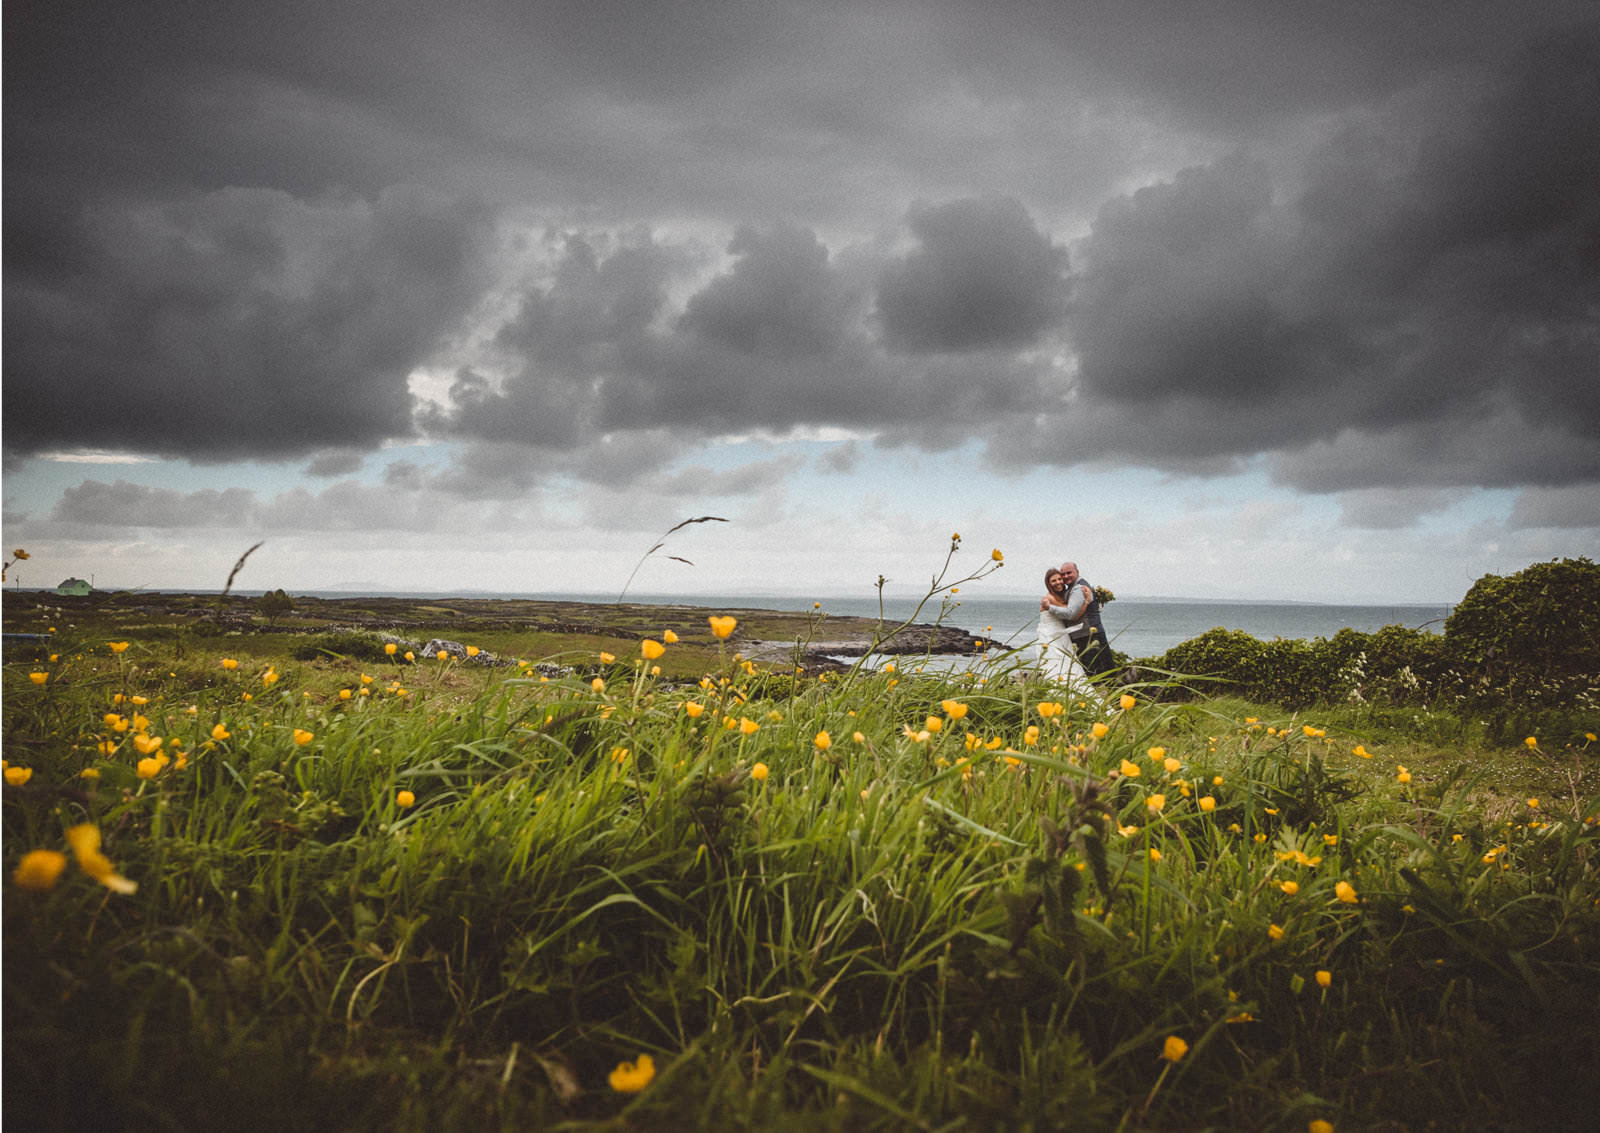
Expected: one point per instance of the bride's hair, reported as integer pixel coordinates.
(1053, 572)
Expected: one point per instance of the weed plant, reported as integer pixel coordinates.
(420, 894)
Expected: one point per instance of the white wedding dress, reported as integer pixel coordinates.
(1058, 659)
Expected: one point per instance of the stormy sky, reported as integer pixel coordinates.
(1243, 298)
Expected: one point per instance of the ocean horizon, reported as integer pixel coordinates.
(1138, 627)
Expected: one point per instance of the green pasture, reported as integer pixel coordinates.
(589, 895)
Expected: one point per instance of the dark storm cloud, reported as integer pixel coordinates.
(981, 276)
(1420, 312)
(238, 323)
(242, 230)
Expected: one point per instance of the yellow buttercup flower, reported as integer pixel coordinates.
(759, 772)
(669, 637)
(147, 744)
(748, 726)
(270, 677)
(1274, 932)
(1130, 769)
(1171, 764)
(1361, 750)
(598, 684)
(117, 646)
(1099, 730)
(1320, 1126)
(1324, 978)
(1174, 1048)
(1157, 754)
(631, 1077)
(473, 651)
(1207, 803)
(1346, 893)
(1155, 803)
(149, 768)
(859, 737)
(85, 842)
(1126, 701)
(1532, 741)
(1289, 887)
(404, 799)
(651, 649)
(390, 648)
(17, 776)
(722, 627)
(38, 678)
(1403, 776)
(39, 869)
(303, 737)
(694, 710)
(953, 709)
(823, 741)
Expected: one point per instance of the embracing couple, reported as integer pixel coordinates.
(1071, 637)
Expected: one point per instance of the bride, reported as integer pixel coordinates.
(1058, 658)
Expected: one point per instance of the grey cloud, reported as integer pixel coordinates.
(242, 322)
(1404, 320)
(1393, 509)
(1576, 506)
(334, 463)
(982, 275)
(95, 503)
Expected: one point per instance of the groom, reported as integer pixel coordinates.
(1082, 613)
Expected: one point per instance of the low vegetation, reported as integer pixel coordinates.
(652, 885)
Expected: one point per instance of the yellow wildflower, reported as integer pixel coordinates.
(1099, 730)
(722, 627)
(1126, 701)
(953, 709)
(823, 741)
(1320, 1126)
(1174, 1048)
(1157, 754)
(748, 726)
(1532, 741)
(1155, 803)
(38, 678)
(669, 637)
(1361, 750)
(694, 709)
(1155, 854)
(1207, 803)
(598, 684)
(473, 651)
(303, 737)
(997, 556)
(39, 869)
(651, 648)
(1130, 769)
(1324, 977)
(759, 772)
(631, 1077)
(147, 745)
(117, 646)
(1403, 776)
(85, 842)
(390, 648)
(1274, 932)
(1346, 893)
(17, 776)
(1289, 887)
(150, 767)
(1171, 764)
(405, 799)
(858, 737)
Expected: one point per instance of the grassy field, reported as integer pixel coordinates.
(638, 882)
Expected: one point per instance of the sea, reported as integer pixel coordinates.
(1140, 628)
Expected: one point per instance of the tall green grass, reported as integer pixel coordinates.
(957, 909)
